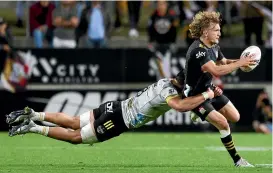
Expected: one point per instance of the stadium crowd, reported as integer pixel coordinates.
(95, 22)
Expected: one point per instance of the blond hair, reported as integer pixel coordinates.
(202, 20)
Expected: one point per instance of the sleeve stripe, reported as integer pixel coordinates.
(170, 97)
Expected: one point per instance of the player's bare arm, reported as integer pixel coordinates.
(229, 61)
(189, 103)
(226, 61)
(221, 70)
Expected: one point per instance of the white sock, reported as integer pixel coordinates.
(43, 130)
(224, 133)
(38, 116)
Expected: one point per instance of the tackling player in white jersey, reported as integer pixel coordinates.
(111, 118)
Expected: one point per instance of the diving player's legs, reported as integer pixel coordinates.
(67, 121)
(97, 125)
(61, 119)
(63, 134)
(84, 134)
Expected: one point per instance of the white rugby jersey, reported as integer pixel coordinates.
(148, 104)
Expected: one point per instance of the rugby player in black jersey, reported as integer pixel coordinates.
(205, 60)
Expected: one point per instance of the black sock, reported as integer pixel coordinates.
(228, 143)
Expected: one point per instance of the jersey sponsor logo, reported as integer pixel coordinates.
(200, 54)
(109, 107)
(202, 110)
(101, 129)
(171, 91)
(142, 91)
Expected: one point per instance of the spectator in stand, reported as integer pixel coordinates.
(20, 13)
(5, 43)
(253, 22)
(262, 115)
(133, 10)
(162, 31)
(65, 20)
(40, 16)
(118, 14)
(163, 23)
(266, 11)
(96, 26)
(95, 22)
(121, 8)
(182, 14)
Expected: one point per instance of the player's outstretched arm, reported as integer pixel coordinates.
(225, 61)
(229, 61)
(221, 70)
(189, 103)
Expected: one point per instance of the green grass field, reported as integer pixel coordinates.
(134, 153)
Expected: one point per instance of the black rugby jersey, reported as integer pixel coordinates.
(199, 54)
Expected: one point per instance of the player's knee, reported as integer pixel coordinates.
(236, 117)
(230, 112)
(76, 140)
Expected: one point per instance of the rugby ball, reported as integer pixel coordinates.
(257, 56)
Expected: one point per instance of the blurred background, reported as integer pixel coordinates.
(71, 56)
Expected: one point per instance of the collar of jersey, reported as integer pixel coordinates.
(203, 44)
